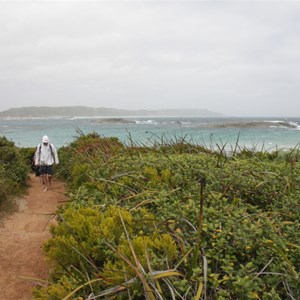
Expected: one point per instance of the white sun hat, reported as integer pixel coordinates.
(45, 139)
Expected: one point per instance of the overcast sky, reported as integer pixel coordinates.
(238, 58)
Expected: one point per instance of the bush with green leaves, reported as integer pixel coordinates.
(232, 223)
(82, 151)
(13, 172)
(105, 249)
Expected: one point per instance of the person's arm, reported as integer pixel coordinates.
(56, 160)
(37, 156)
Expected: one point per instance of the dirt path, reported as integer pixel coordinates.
(21, 238)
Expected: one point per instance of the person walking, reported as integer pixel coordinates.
(45, 156)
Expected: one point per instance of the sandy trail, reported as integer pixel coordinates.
(21, 238)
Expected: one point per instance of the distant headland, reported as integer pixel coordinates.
(84, 111)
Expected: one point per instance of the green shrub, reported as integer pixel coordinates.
(91, 243)
(131, 204)
(13, 173)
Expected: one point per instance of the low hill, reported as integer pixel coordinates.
(83, 111)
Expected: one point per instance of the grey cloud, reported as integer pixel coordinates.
(229, 57)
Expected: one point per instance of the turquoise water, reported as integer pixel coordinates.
(258, 133)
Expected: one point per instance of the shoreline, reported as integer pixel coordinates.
(250, 133)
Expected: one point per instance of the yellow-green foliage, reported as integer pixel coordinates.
(157, 248)
(85, 230)
(155, 177)
(79, 173)
(56, 291)
(101, 242)
(166, 175)
(152, 175)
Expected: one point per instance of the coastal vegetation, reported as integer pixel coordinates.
(13, 174)
(174, 221)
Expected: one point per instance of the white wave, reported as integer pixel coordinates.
(146, 122)
(297, 126)
(273, 121)
(283, 124)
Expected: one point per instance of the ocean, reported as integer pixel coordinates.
(266, 134)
